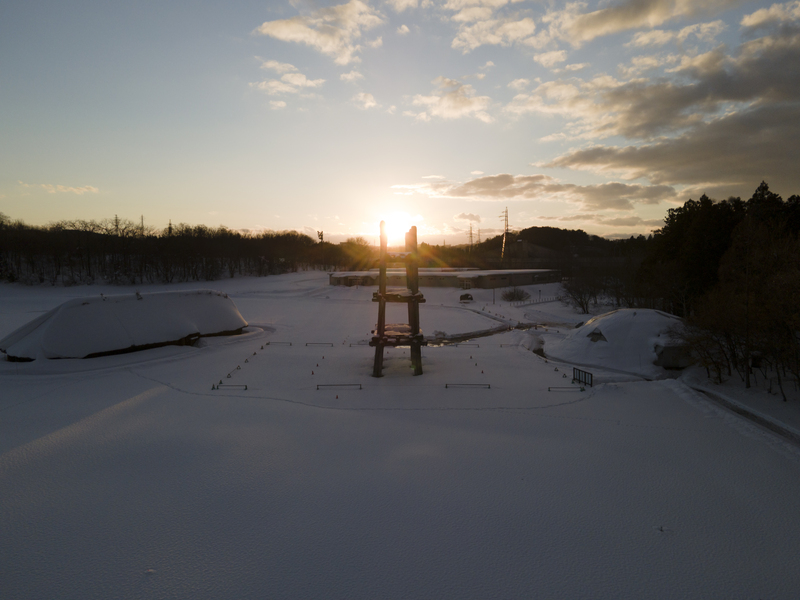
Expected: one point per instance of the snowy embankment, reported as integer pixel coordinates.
(101, 325)
(626, 340)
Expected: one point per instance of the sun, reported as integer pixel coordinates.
(397, 224)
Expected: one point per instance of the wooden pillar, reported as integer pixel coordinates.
(412, 275)
(377, 369)
(409, 334)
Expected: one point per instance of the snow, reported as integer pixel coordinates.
(102, 324)
(620, 340)
(757, 400)
(128, 476)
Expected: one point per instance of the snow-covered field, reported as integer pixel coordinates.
(129, 476)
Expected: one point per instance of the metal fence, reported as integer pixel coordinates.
(582, 376)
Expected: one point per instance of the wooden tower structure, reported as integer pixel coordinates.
(399, 334)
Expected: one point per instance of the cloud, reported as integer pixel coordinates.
(493, 32)
(489, 64)
(421, 116)
(376, 43)
(706, 32)
(277, 104)
(457, 5)
(631, 222)
(452, 100)
(61, 189)
(728, 156)
(365, 101)
(351, 77)
(499, 186)
(467, 217)
(278, 67)
(571, 99)
(473, 13)
(627, 221)
(476, 172)
(401, 5)
(506, 187)
(290, 83)
(274, 87)
(332, 30)
(630, 14)
(640, 64)
(655, 37)
(777, 13)
(54, 189)
(762, 70)
(550, 59)
(479, 24)
(299, 80)
(569, 218)
(403, 30)
(621, 196)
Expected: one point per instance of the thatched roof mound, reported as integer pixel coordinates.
(102, 325)
(630, 340)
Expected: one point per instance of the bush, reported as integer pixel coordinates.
(515, 295)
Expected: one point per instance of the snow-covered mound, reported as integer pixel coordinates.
(101, 325)
(630, 340)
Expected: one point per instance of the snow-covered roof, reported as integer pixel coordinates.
(625, 339)
(469, 273)
(107, 324)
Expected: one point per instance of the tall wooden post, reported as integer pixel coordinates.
(412, 275)
(377, 369)
(399, 334)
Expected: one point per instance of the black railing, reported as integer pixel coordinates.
(581, 376)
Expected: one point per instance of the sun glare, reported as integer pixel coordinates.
(397, 224)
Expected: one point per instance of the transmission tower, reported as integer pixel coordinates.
(470, 237)
(504, 218)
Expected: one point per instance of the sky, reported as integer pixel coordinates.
(330, 116)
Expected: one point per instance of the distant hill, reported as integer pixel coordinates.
(569, 242)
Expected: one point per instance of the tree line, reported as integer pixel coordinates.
(121, 251)
(731, 269)
(741, 298)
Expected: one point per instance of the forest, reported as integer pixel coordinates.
(730, 268)
(120, 251)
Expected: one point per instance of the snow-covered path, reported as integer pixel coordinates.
(128, 476)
